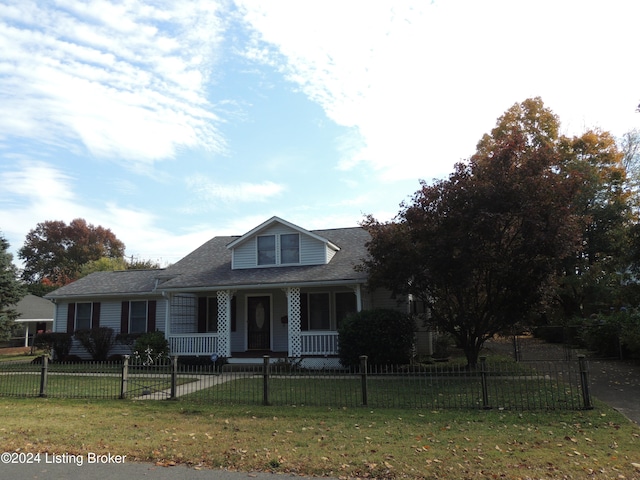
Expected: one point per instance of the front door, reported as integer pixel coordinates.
(259, 323)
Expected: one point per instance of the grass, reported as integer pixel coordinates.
(344, 443)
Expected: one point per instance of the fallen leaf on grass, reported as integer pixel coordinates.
(636, 465)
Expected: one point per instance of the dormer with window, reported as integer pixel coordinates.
(278, 243)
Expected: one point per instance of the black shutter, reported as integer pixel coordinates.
(124, 318)
(202, 314)
(71, 317)
(304, 312)
(151, 316)
(95, 315)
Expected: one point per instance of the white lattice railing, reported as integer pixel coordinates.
(192, 344)
(319, 343)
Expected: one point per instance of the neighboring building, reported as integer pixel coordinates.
(279, 290)
(35, 315)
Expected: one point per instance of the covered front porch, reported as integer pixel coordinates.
(287, 322)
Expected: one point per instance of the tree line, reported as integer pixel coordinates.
(55, 254)
(534, 228)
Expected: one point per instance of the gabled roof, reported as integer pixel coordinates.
(273, 220)
(209, 268)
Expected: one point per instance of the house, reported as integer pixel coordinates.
(277, 290)
(35, 315)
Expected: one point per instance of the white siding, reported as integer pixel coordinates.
(312, 250)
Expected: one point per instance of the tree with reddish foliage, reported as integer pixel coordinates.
(483, 247)
(54, 252)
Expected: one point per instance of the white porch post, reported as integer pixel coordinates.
(293, 312)
(167, 314)
(26, 334)
(358, 291)
(224, 322)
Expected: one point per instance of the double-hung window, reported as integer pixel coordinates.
(283, 249)
(290, 248)
(138, 317)
(83, 316)
(267, 250)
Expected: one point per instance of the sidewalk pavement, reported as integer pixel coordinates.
(126, 471)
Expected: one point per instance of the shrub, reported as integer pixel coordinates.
(385, 336)
(151, 348)
(54, 343)
(97, 341)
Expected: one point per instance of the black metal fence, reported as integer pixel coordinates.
(503, 385)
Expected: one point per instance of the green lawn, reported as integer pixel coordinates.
(338, 442)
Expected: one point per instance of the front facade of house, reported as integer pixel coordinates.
(278, 290)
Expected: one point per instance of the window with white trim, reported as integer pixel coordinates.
(138, 316)
(281, 249)
(83, 316)
(290, 248)
(267, 250)
(319, 311)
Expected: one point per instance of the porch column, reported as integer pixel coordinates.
(224, 322)
(293, 312)
(26, 334)
(358, 291)
(168, 298)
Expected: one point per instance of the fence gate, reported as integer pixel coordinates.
(145, 380)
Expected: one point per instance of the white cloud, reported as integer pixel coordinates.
(211, 192)
(106, 74)
(421, 82)
(34, 192)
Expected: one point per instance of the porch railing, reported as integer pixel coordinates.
(319, 343)
(189, 344)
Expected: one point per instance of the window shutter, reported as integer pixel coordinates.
(151, 316)
(71, 317)
(233, 313)
(124, 318)
(202, 314)
(304, 312)
(95, 315)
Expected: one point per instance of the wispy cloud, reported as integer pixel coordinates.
(126, 79)
(408, 77)
(34, 192)
(213, 193)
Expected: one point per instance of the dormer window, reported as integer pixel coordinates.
(283, 249)
(290, 248)
(267, 250)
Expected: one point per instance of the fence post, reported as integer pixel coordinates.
(174, 377)
(363, 378)
(265, 379)
(125, 376)
(584, 382)
(43, 375)
(483, 378)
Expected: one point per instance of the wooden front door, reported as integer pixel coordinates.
(259, 323)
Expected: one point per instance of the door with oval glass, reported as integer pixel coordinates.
(259, 323)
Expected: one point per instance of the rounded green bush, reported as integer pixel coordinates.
(385, 336)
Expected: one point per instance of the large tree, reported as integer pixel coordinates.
(590, 280)
(55, 252)
(11, 290)
(482, 247)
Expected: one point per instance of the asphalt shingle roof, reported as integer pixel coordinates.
(209, 266)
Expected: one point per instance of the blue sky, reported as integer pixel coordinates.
(172, 122)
